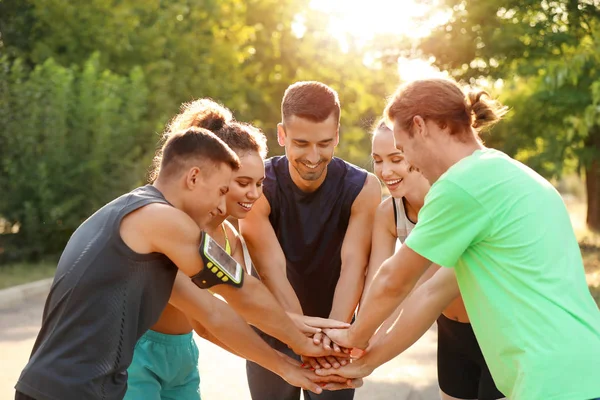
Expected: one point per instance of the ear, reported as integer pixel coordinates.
(192, 178)
(280, 134)
(419, 126)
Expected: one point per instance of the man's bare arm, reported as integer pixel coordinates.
(392, 283)
(167, 230)
(355, 251)
(234, 334)
(391, 320)
(204, 333)
(419, 312)
(267, 255)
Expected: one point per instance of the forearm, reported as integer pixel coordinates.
(415, 317)
(347, 293)
(205, 334)
(216, 319)
(383, 297)
(283, 291)
(229, 331)
(386, 326)
(258, 306)
(391, 320)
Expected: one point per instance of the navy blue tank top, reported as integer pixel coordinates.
(311, 228)
(103, 298)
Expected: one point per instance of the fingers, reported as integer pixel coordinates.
(350, 384)
(323, 363)
(325, 323)
(336, 348)
(333, 362)
(317, 338)
(342, 359)
(330, 378)
(311, 362)
(309, 330)
(348, 371)
(310, 382)
(302, 378)
(310, 349)
(327, 371)
(326, 342)
(312, 387)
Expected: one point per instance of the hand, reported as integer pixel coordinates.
(356, 369)
(295, 375)
(324, 362)
(350, 384)
(313, 325)
(343, 337)
(309, 349)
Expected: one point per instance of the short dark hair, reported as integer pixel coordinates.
(192, 144)
(311, 100)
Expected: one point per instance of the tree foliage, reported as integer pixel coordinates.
(70, 141)
(547, 54)
(86, 87)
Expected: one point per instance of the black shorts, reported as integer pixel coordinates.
(462, 371)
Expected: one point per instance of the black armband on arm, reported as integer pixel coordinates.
(219, 267)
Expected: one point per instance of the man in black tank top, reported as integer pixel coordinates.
(310, 234)
(116, 273)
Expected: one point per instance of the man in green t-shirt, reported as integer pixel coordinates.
(505, 233)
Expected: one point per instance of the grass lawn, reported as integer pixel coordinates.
(16, 274)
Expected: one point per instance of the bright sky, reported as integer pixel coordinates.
(364, 19)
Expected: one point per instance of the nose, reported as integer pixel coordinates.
(253, 193)
(222, 207)
(386, 170)
(312, 155)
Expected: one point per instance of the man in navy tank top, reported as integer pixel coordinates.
(310, 234)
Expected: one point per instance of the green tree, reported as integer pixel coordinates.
(81, 100)
(551, 45)
(70, 141)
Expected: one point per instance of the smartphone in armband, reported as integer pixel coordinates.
(219, 267)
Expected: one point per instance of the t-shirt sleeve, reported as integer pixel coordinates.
(449, 222)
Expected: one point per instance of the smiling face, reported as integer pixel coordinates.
(308, 146)
(246, 185)
(207, 188)
(391, 167)
(416, 149)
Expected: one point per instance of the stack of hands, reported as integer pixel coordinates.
(328, 357)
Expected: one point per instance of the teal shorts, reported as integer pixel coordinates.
(164, 367)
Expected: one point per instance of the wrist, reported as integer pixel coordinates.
(299, 342)
(366, 365)
(356, 338)
(277, 363)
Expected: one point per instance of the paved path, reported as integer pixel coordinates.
(411, 376)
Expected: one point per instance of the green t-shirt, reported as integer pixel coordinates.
(507, 233)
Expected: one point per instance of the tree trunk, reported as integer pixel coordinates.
(592, 179)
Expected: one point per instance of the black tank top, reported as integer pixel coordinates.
(311, 227)
(103, 298)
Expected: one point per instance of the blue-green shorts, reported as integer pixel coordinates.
(164, 367)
